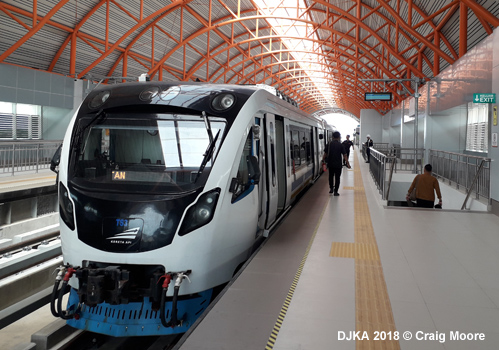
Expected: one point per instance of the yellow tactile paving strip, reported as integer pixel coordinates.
(372, 304)
(354, 188)
(354, 250)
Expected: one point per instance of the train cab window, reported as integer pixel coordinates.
(172, 153)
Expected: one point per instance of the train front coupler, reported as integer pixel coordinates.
(179, 278)
(64, 274)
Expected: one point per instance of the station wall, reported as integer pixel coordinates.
(370, 120)
(58, 95)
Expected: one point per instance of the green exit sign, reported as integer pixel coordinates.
(484, 98)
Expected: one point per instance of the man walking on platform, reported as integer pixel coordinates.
(346, 144)
(334, 155)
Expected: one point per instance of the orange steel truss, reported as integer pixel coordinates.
(350, 42)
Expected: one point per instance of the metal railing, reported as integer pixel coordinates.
(378, 166)
(383, 163)
(465, 172)
(408, 159)
(24, 156)
(380, 146)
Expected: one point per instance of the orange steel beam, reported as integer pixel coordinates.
(414, 33)
(396, 25)
(308, 91)
(8, 13)
(289, 61)
(463, 29)
(265, 53)
(246, 18)
(436, 58)
(485, 25)
(72, 60)
(115, 65)
(480, 11)
(59, 53)
(380, 56)
(427, 19)
(208, 25)
(385, 44)
(35, 10)
(107, 24)
(33, 31)
(386, 71)
(360, 62)
(7, 7)
(161, 13)
(75, 29)
(299, 70)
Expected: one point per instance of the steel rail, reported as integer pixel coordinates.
(30, 242)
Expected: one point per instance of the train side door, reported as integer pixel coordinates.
(271, 169)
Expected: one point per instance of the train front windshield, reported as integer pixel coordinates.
(161, 153)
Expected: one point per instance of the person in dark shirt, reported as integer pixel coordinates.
(369, 144)
(347, 144)
(334, 155)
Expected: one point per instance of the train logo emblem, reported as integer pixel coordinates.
(126, 237)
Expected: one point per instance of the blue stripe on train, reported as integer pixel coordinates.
(136, 319)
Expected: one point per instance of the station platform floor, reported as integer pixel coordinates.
(26, 180)
(347, 272)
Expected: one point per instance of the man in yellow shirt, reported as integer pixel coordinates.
(426, 185)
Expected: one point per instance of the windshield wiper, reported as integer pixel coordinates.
(99, 116)
(207, 124)
(207, 155)
(78, 136)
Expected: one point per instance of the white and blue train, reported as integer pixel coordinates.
(165, 190)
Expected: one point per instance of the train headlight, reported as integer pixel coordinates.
(149, 94)
(66, 207)
(200, 213)
(223, 102)
(99, 99)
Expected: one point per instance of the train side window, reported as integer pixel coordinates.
(241, 184)
(295, 143)
(303, 148)
(272, 153)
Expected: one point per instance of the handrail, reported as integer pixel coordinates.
(390, 177)
(468, 191)
(460, 170)
(401, 159)
(26, 155)
(458, 154)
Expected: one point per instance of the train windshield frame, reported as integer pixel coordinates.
(145, 153)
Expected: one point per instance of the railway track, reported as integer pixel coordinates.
(26, 281)
(26, 276)
(90, 341)
(59, 336)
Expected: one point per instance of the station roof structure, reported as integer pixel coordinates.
(318, 52)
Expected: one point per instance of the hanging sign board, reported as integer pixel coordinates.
(494, 120)
(484, 98)
(377, 96)
(494, 139)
